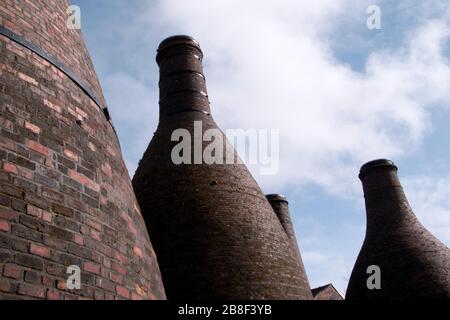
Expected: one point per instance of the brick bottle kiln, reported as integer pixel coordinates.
(215, 233)
(280, 206)
(413, 263)
(65, 194)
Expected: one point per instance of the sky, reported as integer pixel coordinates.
(340, 93)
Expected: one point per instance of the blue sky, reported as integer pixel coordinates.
(340, 94)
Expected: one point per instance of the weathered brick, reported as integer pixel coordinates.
(5, 285)
(52, 106)
(20, 161)
(78, 239)
(60, 233)
(98, 295)
(12, 191)
(4, 226)
(123, 292)
(47, 216)
(96, 235)
(25, 185)
(39, 148)
(35, 129)
(53, 142)
(6, 123)
(56, 269)
(79, 251)
(46, 181)
(72, 183)
(39, 250)
(66, 223)
(32, 290)
(33, 223)
(53, 242)
(19, 205)
(91, 267)
(135, 296)
(53, 294)
(4, 200)
(59, 209)
(106, 284)
(32, 277)
(84, 180)
(26, 233)
(5, 241)
(12, 271)
(48, 281)
(66, 162)
(87, 173)
(9, 214)
(94, 203)
(117, 278)
(91, 223)
(9, 138)
(71, 155)
(34, 211)
(37, 201)
(5, 256)
(66, 259)
(92, 146)
(8, 167)
(52, 195)
(118, 268)
(28, 79)
(138, 251)
(29, 261)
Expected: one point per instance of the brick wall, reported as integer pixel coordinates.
(65, 194)
(413, 263)
(215, 233)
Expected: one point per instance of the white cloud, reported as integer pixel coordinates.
(429, 198)
(134, 114)
(272, 65)
(269, 65)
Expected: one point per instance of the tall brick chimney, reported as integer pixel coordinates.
(65, 193)
(413, 264)
(280, 206)
(215, 234)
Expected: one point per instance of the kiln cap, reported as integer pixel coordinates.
(369, 166)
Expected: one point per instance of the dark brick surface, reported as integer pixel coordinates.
(280, 206)
(219, 240)
(54, 142)
(413, 263)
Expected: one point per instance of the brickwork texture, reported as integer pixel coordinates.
(65, 194)
(280, 206)
(215, 234)
(413, 263)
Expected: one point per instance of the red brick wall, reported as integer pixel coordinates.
(65, 194)
(44, 23)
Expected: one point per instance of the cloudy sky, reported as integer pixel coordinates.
(340, 94)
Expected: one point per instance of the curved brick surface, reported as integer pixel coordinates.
(214, 231)
(414, 264)
(280, 206)
(65, 194)
(43, 22)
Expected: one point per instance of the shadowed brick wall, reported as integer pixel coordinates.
(215, 233)
(413, 263)
(280, 206)
(65, 193)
